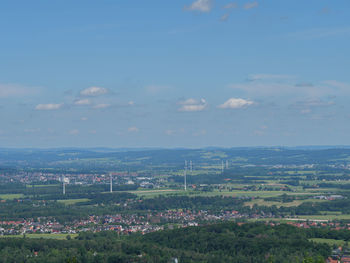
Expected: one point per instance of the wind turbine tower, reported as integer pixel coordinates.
(64, 187)
(191, 165)
(65, 181)
(226, 164)
(185, 175)
(110, 183)
(222, 166)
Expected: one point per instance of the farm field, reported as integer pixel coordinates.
(262, 202)
(326, 217)
(73, 201)
(10, 196)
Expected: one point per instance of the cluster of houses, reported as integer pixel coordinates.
(339, 255)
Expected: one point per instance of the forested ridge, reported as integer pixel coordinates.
(224, 242)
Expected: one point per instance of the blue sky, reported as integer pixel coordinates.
(174, 73)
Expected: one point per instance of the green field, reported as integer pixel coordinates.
(154, 193)
(41, 185)
(235, 193)
(326, 217)
(45, 236)
(73, 201)
(330, 242)
(262, 202)
(10, 196)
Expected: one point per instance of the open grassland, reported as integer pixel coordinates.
(10, 196)
(262, 202)
(73, 201)
(154, 193)
(42, 185)
(234, 193)
(301, 172)
(330, 242)
(325, 217)
(45, 236)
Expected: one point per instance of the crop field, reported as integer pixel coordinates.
(73, 201)
(262, 202)
(10, 196)
(42, 185)
(154, 193)
(326, 217)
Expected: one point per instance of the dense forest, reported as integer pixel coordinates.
(225, 242)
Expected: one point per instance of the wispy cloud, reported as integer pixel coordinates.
(304, 84)
(74, 132)
(14, 90)
(288, 87)
(171, 132)
(94, 91)
(315, 33)
(32, 130)
(224, 17)
(235, 103)
(101, 106)
(202, 6)
(306, 106)
(251, 5)
(133, 129)
(255, 77)
(155, 88)
(50, 106)
(338, 84)
(228, 7)
(231, 5)
(82, 102)
(192, 105)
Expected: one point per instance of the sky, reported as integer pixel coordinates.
(165, 73)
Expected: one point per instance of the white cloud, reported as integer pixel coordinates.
(256, 77)
(50, 106)
(231, 6)
(74, 132)
(84, 118)
(133, 129)
(93, 91)
(192, 105)
(251, 5)
(235, 103)
(224, 17)
(203, 6)
(101, 106)
(131, 103)
(82, 102)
